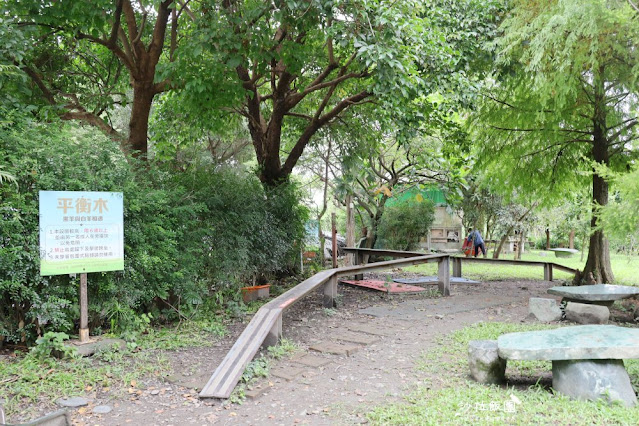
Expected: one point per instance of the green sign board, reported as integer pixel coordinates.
(81, 232)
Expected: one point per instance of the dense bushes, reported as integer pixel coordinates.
(403, 224)
(555, 241)
(188, 235)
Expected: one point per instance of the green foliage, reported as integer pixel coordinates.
(459, 401)
(259, 368)
(403, 224)
(255, 369)
(566, 80)
(620, 218)
(52, 344)
(555, 241)
(187, 234)
(190, 334)
(123, 320)
(30, 382)
(253, 232)
(300, 68)
(6, 176)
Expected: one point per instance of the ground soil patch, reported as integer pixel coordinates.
(344, 387)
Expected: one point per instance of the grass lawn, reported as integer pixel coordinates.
(624, 268)
(447, 396)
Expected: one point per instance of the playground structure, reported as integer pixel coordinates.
(265, 328)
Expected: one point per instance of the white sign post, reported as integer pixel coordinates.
(81, 232)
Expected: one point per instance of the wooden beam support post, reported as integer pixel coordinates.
(548, 271)
(330, 292)
(358, 258)
(457, 266)
(443, 276)
(84, 309)
(275, 334)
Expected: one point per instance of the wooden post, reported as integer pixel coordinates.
(330, 292)
(334, 240)
(275, 334)
(350, 229)
(443, 276)
(358, 259)
(548, 271)
(457, 267)
(84, 309)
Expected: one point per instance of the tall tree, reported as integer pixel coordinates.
(293, 67)
(374, 174)
(83, 50)
(566, 98)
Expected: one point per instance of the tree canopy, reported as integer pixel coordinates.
(565, 97)
(84, 58)
(290, 68)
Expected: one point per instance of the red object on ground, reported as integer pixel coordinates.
(467, 247)
(250, 294)
(386, 286)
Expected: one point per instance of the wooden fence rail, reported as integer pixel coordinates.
(547, 266)
(265, 328)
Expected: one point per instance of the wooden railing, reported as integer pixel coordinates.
(548, 266)
(265, 328)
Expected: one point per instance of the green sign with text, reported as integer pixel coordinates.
(81, 232)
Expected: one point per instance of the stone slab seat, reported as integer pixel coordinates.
(587, 359)
(564, 252)
(604, 294)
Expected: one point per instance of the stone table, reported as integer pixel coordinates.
(598, 294)
(587, 360)
(564, 252)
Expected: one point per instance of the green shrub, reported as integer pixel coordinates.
(52, 344)
(555, 241)
(403, 224)
(187, 235)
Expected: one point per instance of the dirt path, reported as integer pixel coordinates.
(341, 390)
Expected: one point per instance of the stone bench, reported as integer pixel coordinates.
(587, 360)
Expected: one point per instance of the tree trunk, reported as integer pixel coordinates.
(598, 263)
(143, 94)
(547, 239)
(510, 231)
(571, 239)
(350, 228)
(320, 235)
(322, 243)
(520, 245)
(501, 243)
(371, 237)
